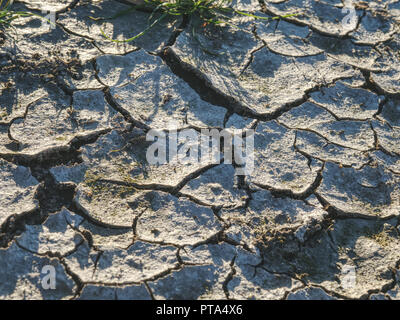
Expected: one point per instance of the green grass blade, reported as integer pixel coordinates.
(138, 35)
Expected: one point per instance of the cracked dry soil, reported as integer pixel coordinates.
(76, 191)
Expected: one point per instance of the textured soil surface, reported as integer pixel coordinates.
(77, 193)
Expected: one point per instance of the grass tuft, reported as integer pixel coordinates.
(7, 16)
(204, 12)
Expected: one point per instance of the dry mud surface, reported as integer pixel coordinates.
(78, 194)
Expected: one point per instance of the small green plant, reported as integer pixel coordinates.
(202, 13)
(7, 15)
